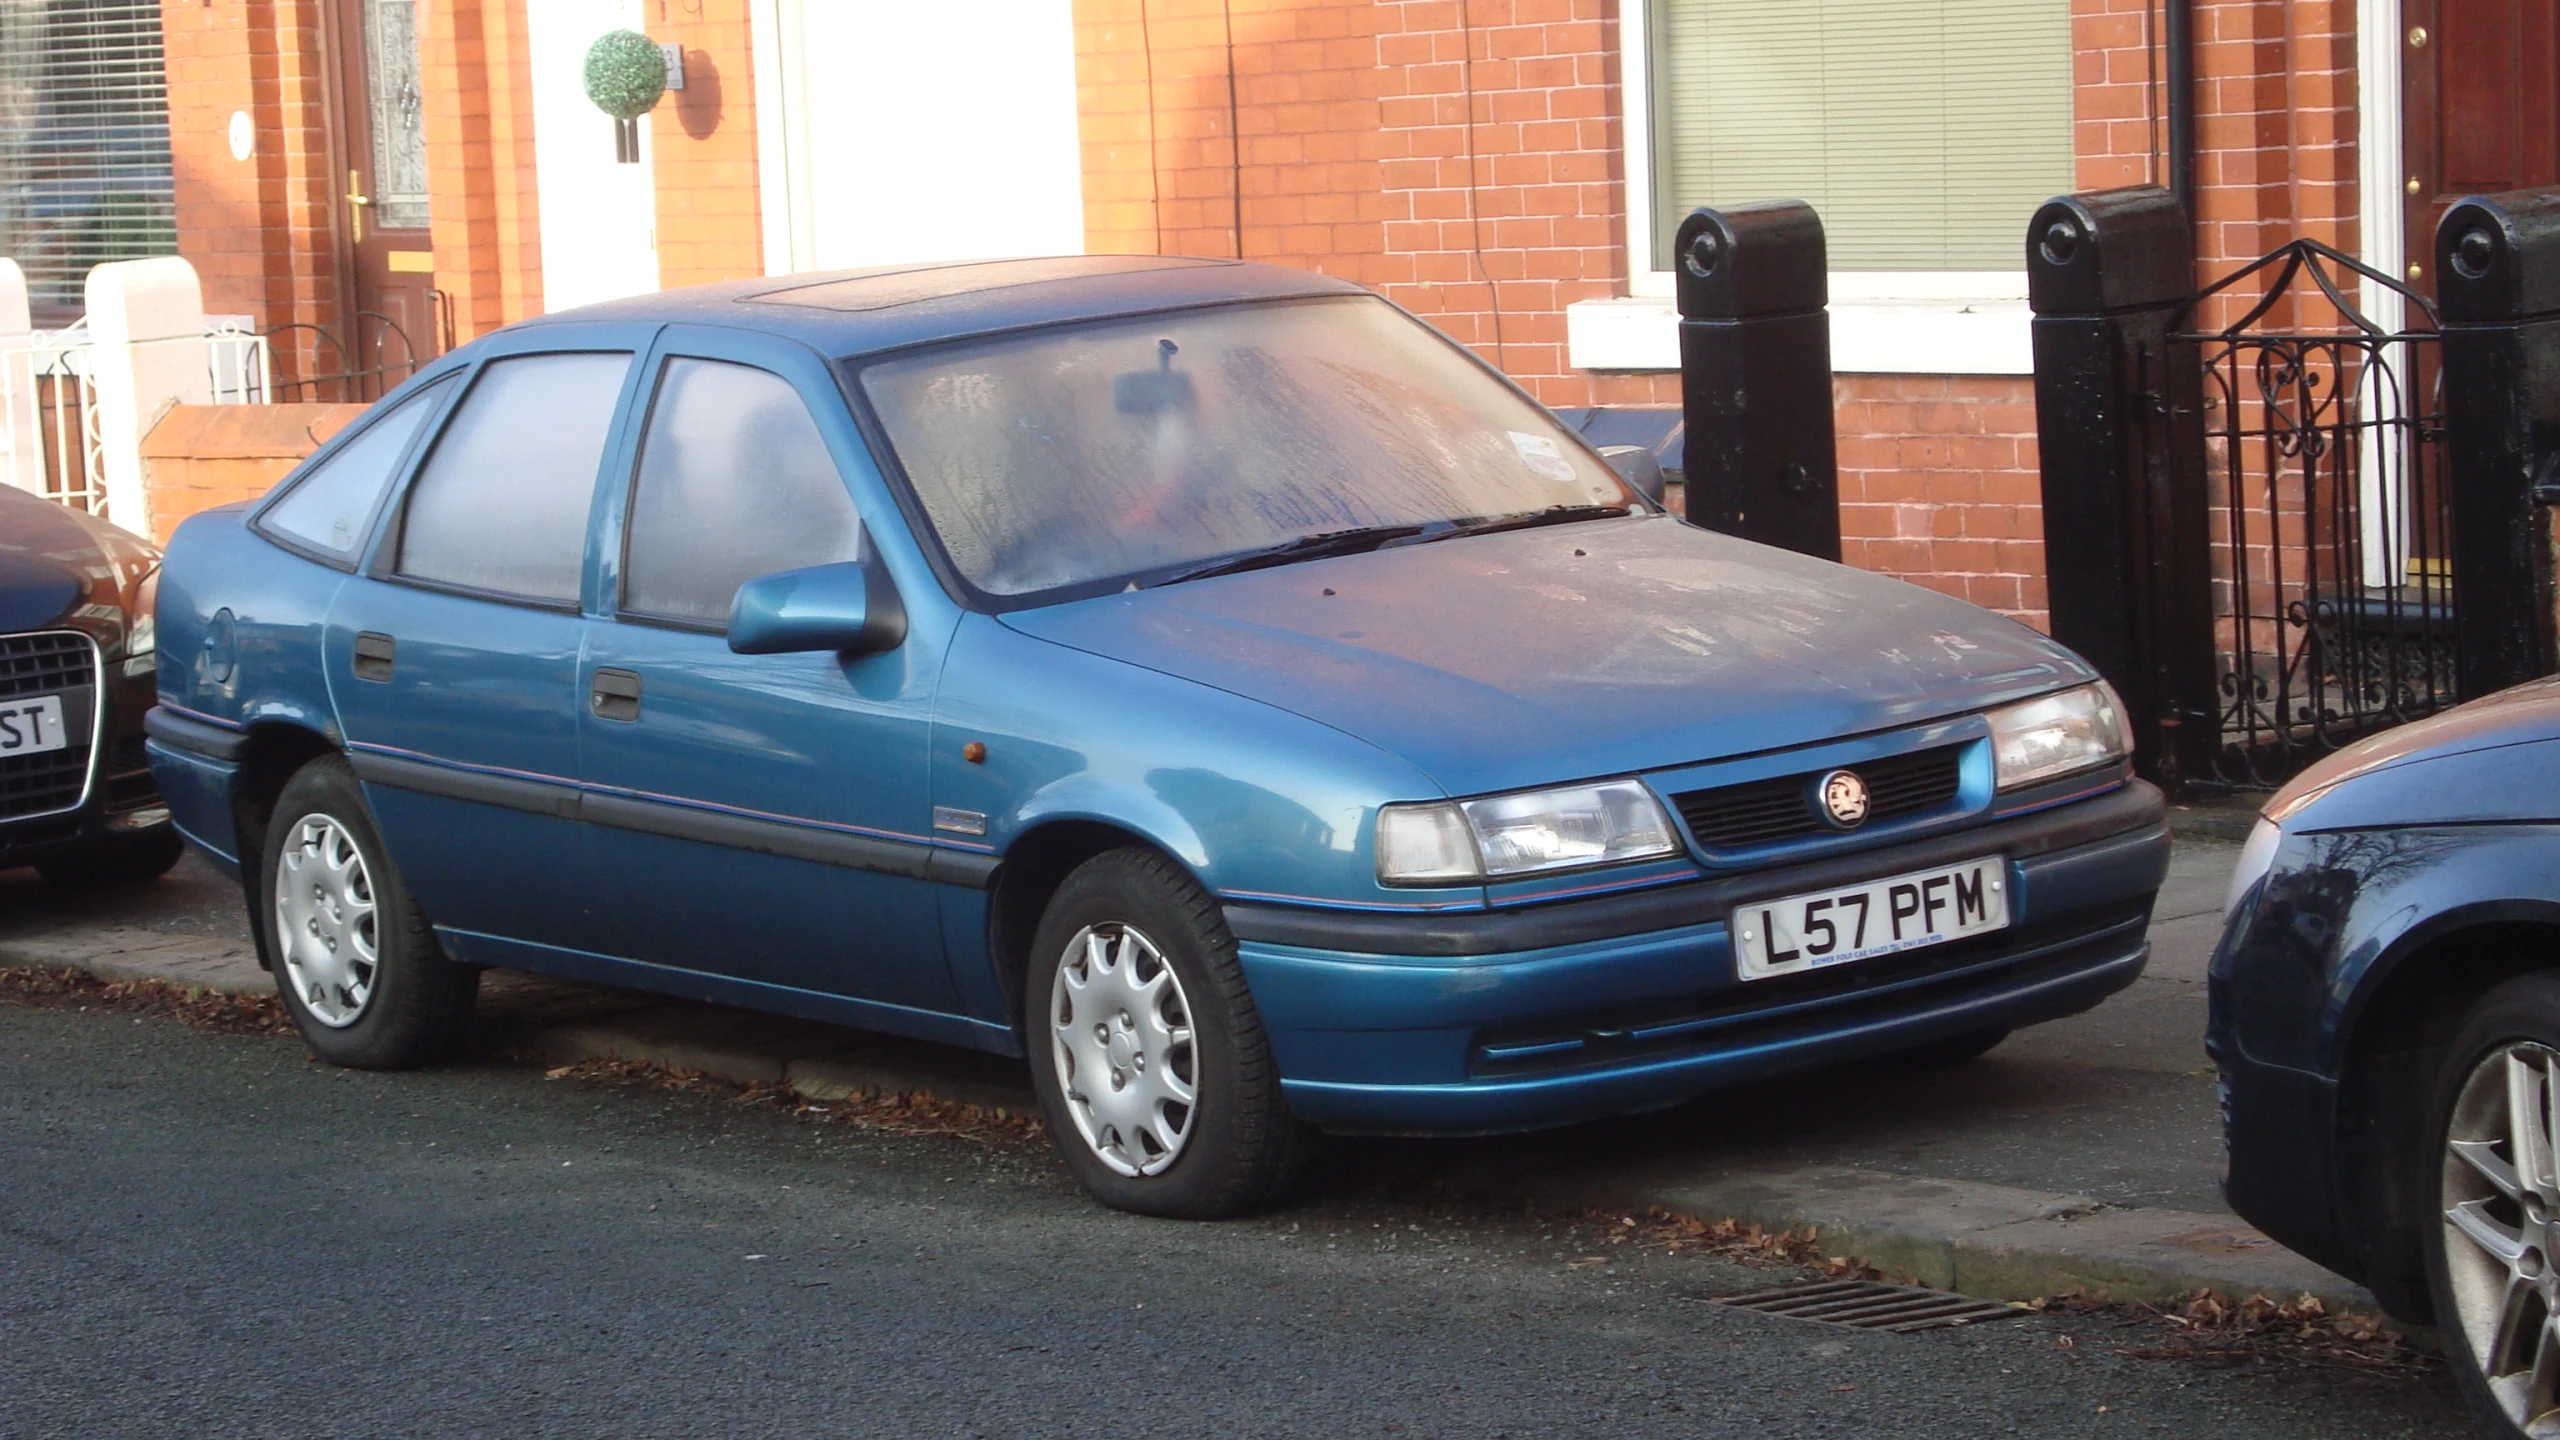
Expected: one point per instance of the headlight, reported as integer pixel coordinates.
(2257, 857)
(144, 633)
(2074, 730)
(1503, 836)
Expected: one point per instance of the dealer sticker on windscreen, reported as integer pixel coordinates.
(1861, 922)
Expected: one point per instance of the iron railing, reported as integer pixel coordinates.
(2329, 514)
(367, 361)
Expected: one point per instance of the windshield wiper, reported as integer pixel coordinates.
(1525, 519)
(1305, 547)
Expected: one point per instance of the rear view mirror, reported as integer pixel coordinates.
(1637, 466)
(1153, 392)
(848, 607)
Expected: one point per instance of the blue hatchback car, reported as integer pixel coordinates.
(1200, 679)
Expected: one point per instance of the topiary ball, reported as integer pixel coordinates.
(626, 73)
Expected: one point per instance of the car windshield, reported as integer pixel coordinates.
(1141, 451)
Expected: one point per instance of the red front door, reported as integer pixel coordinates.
(2481, 108)
(393, 325)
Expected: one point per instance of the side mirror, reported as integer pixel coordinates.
(1637, 466)
(848, 607)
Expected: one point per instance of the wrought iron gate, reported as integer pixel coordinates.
(2329, 519)
(2306, 502)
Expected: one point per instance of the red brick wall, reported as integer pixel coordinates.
(480, 176)
(200, 456)
(1938, 485)
(702, 142)
(260, 232)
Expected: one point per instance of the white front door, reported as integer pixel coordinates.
(915, 132)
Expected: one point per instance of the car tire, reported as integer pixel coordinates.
(1146, 1051)
(2496, 1315)
(355, 962)
(1949, 1053)
(124, 860)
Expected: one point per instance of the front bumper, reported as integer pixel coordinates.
(1516, 1019)
(112, 781)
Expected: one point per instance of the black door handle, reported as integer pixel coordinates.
(374, 654)
(615, 695)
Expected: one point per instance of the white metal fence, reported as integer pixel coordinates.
(76, 403)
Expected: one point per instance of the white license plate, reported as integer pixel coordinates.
(30, 727)
(1861, 922)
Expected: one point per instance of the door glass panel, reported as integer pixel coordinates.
(502, 503)
(734, 483)
(328, 508)
(399, 127)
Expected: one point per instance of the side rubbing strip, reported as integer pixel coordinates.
(504, 791)
(683, 822)
(769, 837)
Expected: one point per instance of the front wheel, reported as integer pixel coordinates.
(1146, 1051)
(356, 963)
(2493, 1246)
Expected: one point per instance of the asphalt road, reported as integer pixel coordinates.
(206, 1234)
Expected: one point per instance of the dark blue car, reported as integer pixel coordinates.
(1201, 679)
(2386, 1016)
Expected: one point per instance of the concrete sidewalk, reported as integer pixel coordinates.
(2082, 1153)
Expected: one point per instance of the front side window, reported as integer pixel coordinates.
(327, 508)
(1119, 452)
(1924, 131)
(501, 504)
(734, 483)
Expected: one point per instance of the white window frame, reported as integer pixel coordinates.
(1930, 322)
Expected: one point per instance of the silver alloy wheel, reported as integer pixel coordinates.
(325, 921)
(2502, 1228)
(1122, 1045)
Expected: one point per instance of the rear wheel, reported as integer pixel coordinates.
(355, 961)
(2493, 1251)
(1146, 1051)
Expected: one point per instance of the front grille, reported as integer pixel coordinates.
(49, 663)
(1764, 812)
(43, 663)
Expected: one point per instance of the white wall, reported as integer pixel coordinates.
(916, 130)
(599, 218)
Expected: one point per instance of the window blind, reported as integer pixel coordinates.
(1925, 131)
(84, 143)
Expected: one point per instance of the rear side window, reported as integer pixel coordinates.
(502, 502)
(328, 507)
(734, 483)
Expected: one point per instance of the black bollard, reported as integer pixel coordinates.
(1755, 376)
(2128, 570)
(2498, 287)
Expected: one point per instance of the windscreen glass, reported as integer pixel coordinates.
(1129, 451)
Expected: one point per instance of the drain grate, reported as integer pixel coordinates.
(1870, 1306)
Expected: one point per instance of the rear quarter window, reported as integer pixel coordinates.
(331, 507)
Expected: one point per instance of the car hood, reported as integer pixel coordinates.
(2516, 783)
(1530, 657)
(59, 566)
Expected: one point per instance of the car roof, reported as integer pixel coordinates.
(858, 312)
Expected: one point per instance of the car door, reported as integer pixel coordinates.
(453, 654)
(761, 817)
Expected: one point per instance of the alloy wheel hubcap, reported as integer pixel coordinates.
(1122, 1045)
(325, 921)
(2501, 1197)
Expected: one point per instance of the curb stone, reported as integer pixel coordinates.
(1994, 1241)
